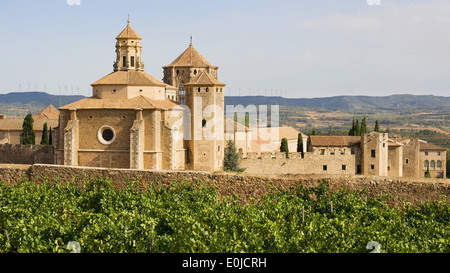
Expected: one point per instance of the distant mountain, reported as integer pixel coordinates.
(394, 102)
(37, 99)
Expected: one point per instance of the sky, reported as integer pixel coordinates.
(289, 48)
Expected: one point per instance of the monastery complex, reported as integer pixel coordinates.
(135, 121)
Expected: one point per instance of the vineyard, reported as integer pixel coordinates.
(195, 218)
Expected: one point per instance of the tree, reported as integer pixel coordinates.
(377, 126)
(448, 163)
(284, 148)
(45, 140)
(357, 128)
(364, 126)
(352, 131)
(50, 136)
(231, 158)
(427, 174)
(300, 144)
(28, 136)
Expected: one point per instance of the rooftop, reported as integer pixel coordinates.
(191, 58)
(328, 141)
(139, 102)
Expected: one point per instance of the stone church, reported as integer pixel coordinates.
(134, 121)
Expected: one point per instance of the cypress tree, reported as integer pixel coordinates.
(45, 140)
(364, 126)
(427, 174)
(352, 130)
(300, 144)
(28, 136)
(231, 158)
(284, 148)
(308, 144)
(377, 126)
(357, 128)
(50, 137)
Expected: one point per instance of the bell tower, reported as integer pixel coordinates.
(129, 50)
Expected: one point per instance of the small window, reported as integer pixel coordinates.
(124, 61)
(108, 135)
(204, 123)
(114, 91)
(372, 153)
(140, 90)
(195, 71)
(178, 72)
(325, 167)
(438, 175)
(439, 153)
(207, 89)
(199, 89)
(218, 148)
(322, 151)
(426, 153)
(407, 161)
(372, 167)
(344, 167)
(132, 61)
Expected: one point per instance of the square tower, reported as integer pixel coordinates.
(205, 100)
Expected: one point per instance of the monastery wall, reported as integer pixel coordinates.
(334, 163)
(26, 154)
(412, 190)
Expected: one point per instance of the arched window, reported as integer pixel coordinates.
(204, 123)
(426, 164)
(433, 164)
(439, 164)
(195, 71)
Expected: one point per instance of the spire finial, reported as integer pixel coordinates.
(191, 39)
(128, 19)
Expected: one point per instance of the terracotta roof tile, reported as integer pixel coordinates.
(430, 147)
(191, 58)
(204, 78)
(50, 112)
(128, 33)
(133, 103)
(326, 141)
(130, 77)
(15, 124)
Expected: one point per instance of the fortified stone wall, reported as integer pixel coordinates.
(26, 154)
(414, 191)
(339, 162)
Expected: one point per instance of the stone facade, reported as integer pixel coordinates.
(373, 154)
(134, 121)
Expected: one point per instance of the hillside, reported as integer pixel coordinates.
(394, 102)
(19, 104)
